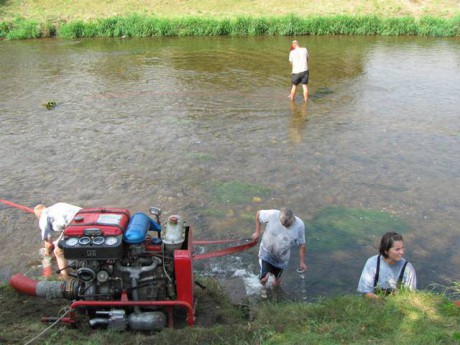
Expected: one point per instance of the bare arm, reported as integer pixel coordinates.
(302, 251)
(257, 232)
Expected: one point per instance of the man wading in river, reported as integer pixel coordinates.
(298, 57)
(282, 230)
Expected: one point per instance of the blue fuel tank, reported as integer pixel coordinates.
(138, 227)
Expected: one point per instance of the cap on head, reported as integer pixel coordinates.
(38, 210)
(287, 217)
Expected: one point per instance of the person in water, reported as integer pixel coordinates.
(282, 230)
(298, 57)
(386, 272)
(52, 221)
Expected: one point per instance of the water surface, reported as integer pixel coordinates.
(202, 127)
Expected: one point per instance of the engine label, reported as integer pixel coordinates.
(109, 219)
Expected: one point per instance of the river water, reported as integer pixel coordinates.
(202, 127)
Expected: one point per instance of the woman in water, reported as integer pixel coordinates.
(388, 271)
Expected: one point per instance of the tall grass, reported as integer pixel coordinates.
(20, 28)
(144, 26)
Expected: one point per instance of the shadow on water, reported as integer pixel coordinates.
(202, 127)
(321, 93)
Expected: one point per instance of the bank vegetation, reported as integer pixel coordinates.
(406, 318)
(136, 25)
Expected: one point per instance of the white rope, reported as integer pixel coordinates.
(67, 311)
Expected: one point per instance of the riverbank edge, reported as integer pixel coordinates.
(136, 25)
(420, 317)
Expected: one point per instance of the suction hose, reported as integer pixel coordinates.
(47, 289)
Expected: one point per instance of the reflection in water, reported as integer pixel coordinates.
(298, 121)
(202, 127)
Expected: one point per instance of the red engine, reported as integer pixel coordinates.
(128, 271)
(96, 233)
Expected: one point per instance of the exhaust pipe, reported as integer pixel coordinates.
(47, 289)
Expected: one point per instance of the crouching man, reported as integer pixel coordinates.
(52, 221)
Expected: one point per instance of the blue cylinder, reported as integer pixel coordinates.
(137, 228)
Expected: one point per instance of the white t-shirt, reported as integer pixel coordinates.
(388, 275)
(277, 240)
(298, 58)
(56, 218)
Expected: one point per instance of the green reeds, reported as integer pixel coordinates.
(145, 26)
(26, 29)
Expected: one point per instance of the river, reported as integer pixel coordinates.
(203, 127)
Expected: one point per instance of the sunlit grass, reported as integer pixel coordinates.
(85, 9)
(408, 318)
(136, 25)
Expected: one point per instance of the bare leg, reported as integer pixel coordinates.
(61, 261)
(263, 282)
(305, 92)
(293, 91)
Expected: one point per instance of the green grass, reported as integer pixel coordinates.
(406, 318)
(56, 10)
(140, 18)
(136, 25)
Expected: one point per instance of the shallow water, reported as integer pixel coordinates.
(202, 127)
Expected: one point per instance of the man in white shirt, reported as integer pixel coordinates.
(52, 221)
(282, 230)
(298, 57)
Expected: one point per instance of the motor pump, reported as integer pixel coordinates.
(127, 271)
(125, 268)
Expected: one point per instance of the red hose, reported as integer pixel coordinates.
(24, 284)
(225, 251)
(24, 208)
(457, 303)
(199, 242)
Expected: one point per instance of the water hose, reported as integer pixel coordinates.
(225, 251)
(199, 242)
(12, 204)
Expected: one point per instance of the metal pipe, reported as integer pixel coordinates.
(127, 303)
(47, 289)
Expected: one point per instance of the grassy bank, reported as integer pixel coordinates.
(22, 19)
(55, 10)
(407, 318)
(146, 26)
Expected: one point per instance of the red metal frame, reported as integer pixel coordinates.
(183, 267)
